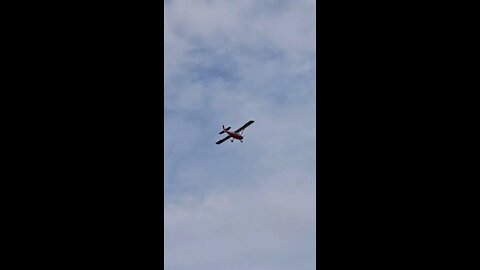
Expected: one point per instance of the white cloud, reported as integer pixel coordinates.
(264, 228)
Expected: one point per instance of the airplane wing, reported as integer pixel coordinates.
(244, 126)
(222, 140)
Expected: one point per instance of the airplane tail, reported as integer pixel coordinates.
(224, 129)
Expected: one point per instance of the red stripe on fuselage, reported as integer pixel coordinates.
(235, 135)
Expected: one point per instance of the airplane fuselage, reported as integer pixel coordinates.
(235, 135)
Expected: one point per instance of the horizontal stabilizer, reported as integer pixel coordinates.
(223, 131)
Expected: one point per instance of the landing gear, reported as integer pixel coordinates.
(241, 141)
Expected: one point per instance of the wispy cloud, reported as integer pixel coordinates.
(247, 205)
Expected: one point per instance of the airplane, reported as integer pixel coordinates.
(234, 134)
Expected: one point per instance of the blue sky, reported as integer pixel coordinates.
(247, 205)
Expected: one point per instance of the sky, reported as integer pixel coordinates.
(247, 205)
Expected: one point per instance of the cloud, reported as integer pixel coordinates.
(264, 228)
(247, 205)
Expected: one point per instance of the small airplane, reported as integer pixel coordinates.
(235, 134)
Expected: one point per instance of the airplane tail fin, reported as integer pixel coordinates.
(224, 129)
